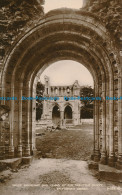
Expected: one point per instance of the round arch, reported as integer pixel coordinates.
(65, 34)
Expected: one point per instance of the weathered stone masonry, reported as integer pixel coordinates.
(62, 112)
(73, 35)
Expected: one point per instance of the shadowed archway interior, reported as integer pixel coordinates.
(56, 115)
(68, 112)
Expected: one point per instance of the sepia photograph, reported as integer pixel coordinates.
(60, 97)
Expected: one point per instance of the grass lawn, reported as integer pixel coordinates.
(67, 144)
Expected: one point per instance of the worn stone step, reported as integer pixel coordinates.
(12, 163)
(109, 173)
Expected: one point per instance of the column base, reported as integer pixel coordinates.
(93, 165)
(103, 159)
(119, 163)
(2, 152)
(27, 151)
(96, 156)
(11, 152)
(27, 160)
(111, 161)
(19, 152)
(34, 152)
(92, 155)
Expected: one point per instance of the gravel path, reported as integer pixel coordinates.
(56, 177)
(62, 170)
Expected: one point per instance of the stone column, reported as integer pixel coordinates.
(73, 115)
(79, 112)
(11, 117)
(62, 118)
(50, 94)
(65, 92)
(20, 123)
(61, 91)
(96, 127)
(119, 160)
(57, 91)
(27, 145)
(33, 114)
(53, 91)
(93, 152)
(2, 147)
(103, 159)
(45, 108)
(111, 160)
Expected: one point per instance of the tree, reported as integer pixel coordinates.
(86, 92)
(39, 104)
(87, 108)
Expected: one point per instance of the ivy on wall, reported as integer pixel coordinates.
(15, 17)
(109, 12)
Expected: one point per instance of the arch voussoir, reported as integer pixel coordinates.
(83, 38)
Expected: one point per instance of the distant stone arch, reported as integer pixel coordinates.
(68, 112)
(56, 115)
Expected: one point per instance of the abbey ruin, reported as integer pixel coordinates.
(31, 41)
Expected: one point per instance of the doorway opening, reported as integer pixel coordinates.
(68, 112)
(61, 115)
(56, 115)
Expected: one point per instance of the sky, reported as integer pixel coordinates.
(54, 4)
(65, 72)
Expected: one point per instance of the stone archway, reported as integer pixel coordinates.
(68, 112)
(74, 35)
